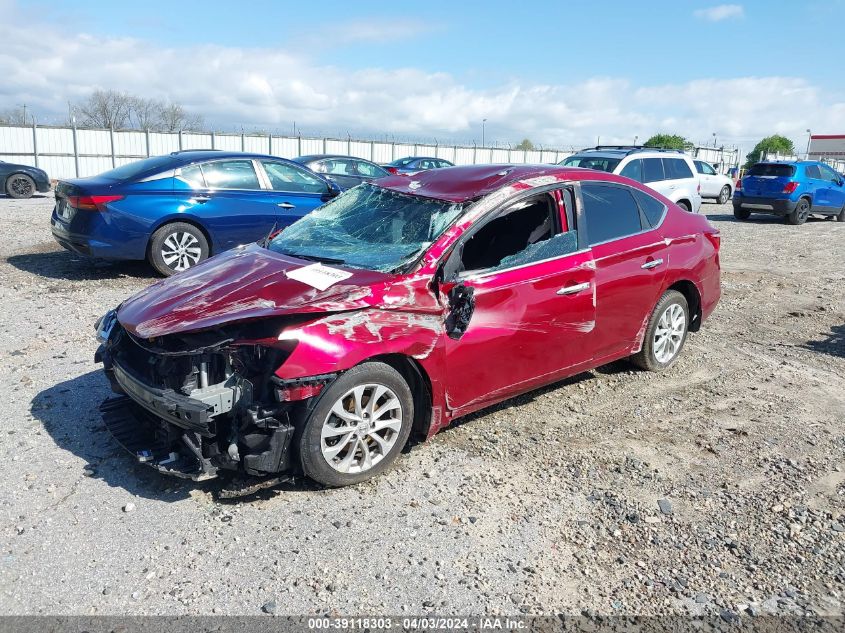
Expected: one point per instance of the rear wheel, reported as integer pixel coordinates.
(800, 214)
(666, 333)
(20, 186)
(176, 247)
(685, 205)
(841, 216)
(741, 214)
(358, 427)
(724, 194)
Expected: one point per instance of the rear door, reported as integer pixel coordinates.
(655, 177)
(534, 312)
(767, 180)
(631, 260)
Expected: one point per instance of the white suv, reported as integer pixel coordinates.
(669, 172)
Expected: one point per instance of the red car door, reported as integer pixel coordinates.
(631, 261)
(534, 311)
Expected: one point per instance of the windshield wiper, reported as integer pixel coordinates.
(315, 258)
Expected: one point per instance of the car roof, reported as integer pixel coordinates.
(462, 184)
(312, 157)
(185, 157)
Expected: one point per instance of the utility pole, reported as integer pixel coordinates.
(809, 138)
(483, 121)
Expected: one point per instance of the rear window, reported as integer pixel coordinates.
(770, 169)
(133, 170)
(592, 162)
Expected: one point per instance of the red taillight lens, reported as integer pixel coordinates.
(298, 392)
(91, 203)
(738, 184)
(790, 187)
(392, 170)
(715, 239)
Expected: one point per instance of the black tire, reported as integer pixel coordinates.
(741, 214)
(685, 205)
(647, 358)
(841, 216)
(800, 214)
(724, 195)
(20, 186)
(315, 464)
(168, 260)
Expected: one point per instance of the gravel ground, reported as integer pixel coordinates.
(715, 488)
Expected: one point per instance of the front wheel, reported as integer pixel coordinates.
(358, 426)
(20, 186)
(724, 194)
(841, 216)
(800, 214)
(177, 246)
(666, 333)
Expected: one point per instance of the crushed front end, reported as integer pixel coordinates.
(193, 405)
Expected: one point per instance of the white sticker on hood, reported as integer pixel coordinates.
(318, 276)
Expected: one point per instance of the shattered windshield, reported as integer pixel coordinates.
(368, 227)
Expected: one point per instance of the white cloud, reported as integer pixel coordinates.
(720, 12)
(44, 67)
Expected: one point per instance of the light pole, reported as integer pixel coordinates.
(635, 139)
(483, 121)
(809, 138)
(714, 139)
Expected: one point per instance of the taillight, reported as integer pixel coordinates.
(392, 170)
(715, 239)
(790, 186)
(738, 186)
(91, 203)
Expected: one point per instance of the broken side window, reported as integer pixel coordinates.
(525, 233)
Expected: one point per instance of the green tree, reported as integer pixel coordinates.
(525, 145)
(775, 144)
(669, 141)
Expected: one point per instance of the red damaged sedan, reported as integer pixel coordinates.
(396, 308)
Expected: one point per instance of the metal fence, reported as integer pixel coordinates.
(65, 152)
(836, 163)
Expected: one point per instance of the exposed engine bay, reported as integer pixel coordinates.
(194, 405)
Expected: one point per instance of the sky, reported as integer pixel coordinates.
(561, 73)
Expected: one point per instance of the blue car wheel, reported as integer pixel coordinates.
(177, 246)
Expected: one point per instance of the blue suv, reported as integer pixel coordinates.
(176, 210)
(793, 189)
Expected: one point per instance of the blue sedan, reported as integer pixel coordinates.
(177, 210)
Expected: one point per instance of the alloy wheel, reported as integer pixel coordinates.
(724, 194)
(361, 428)
(803, 211)
(21, 186)
(180, 250)
(669, 333)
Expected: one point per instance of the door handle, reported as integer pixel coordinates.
(571, 290)
(202, 199)
(286, 205)
(654, 263)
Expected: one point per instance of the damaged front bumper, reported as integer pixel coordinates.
(197, 413)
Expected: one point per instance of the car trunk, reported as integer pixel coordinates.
(66, 190)
(767, 180)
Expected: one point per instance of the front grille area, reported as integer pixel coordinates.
(180, 373)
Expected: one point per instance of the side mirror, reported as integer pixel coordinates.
(333, 189)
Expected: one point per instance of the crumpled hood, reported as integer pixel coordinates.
(242, 284)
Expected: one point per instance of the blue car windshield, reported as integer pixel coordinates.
(368, 227)
(138, 167)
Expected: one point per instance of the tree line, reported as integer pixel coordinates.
(112, 109)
